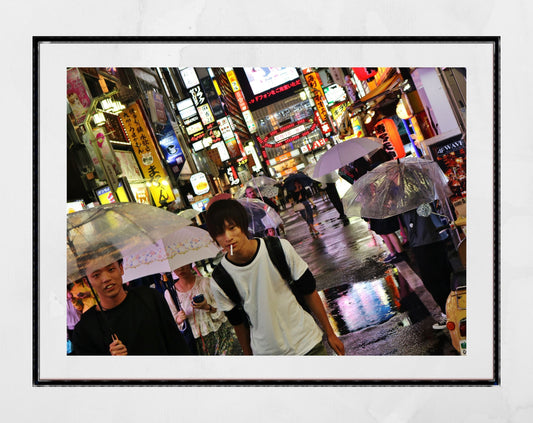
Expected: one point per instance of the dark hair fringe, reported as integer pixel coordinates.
(223, 211)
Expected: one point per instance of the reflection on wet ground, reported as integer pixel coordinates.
(357, 305)
(369, 303)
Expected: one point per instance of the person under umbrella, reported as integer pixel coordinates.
(305, 181)
(300, 196)
(386, 228)
(135, 322)
(212, 332)
(251, 193)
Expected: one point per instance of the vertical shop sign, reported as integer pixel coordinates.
(325, 127)
(350, 89)
(243, 105)
(200, 101)
(157, 107)
(171, 149)
(225, 128)
(109, 160)
(135, 127)
(211, 93)
(315, 85)
(77, 95)
(387, 131)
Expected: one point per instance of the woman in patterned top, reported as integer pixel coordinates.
(213, 333)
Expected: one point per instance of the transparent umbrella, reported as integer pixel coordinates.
(261, 216)
(189, 213)
(184, 246)
(398, 186)
(114, 230)
(264, 186)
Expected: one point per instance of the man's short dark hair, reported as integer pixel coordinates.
(223, 211)
(103, 250)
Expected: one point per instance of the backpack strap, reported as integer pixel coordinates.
(226, 283)
(277, 257)
(224, 280)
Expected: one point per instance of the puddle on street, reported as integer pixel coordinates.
(355, 306)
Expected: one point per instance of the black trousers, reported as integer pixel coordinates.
(435, 270)
(333, 195)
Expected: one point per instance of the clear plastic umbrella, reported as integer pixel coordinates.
(115, 230)
(398, 186)
(184, 246)
(265, 187)
(189, 213)
(261, 216)
(345, 153)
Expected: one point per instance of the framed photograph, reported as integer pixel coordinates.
(479, 56)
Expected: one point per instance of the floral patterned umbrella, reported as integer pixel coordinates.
(184, 246)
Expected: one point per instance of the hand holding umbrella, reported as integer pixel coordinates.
(117, 347)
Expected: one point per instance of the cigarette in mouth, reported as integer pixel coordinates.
(231, 249)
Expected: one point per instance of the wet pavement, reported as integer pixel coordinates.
(375, 308)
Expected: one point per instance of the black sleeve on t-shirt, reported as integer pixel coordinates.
(306, 284)
(236, 315)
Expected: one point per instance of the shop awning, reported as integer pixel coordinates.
(383, 88)
(377, 94)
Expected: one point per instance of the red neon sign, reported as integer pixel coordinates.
(274, 91)
(263, 141)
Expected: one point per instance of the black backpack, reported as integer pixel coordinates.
(277, 256)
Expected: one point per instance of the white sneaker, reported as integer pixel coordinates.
(441, 323)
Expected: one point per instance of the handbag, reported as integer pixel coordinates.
(299, 207)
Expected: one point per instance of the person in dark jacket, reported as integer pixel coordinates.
(428, 246)
(134, 322)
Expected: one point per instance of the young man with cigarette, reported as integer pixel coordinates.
(273, 322)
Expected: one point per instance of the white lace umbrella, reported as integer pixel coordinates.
(345, 153)
(184, 246)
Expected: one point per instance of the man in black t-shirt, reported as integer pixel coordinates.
(135, 322)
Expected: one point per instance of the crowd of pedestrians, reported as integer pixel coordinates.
(248, 305)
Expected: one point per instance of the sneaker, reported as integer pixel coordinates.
(389, 258)
(398, 257)
(441, 323)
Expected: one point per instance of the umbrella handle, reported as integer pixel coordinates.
(104, 317)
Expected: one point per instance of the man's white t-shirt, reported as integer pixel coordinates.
(279, 325)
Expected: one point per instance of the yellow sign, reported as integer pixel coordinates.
(233, 80)
(314, 83)
(140, 136)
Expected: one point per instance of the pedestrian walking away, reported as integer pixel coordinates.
(428, 246)
(135, 322)
(271, 321)
(301, 198)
